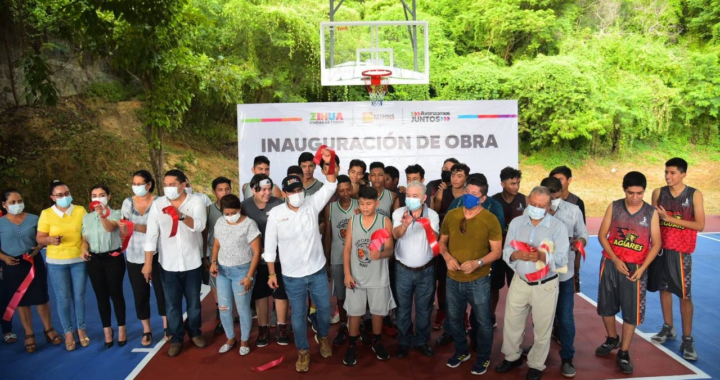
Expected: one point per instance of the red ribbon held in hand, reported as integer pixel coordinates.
(170, 210)
(319, 156)
(130, 228)
(377, 239)
(580, 248)
(525, 247)
(20, 292)
(520, 246)
(430, 236)
(267, 366)
(94, 204)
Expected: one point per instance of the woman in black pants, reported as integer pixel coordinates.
(135, 209)
(101, 248)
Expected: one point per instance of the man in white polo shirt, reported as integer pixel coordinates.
(414, 269)
(179, 256)
(292, 227)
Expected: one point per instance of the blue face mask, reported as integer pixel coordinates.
(64, 201)
(413, 203)
(139, 190)
(16, 209)
(536, 213)
(470, 201)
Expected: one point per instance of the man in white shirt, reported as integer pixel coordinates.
(179, 255)
(414, 269)
(292, 228)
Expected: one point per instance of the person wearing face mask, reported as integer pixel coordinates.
(414, 269)
(292, 228)
(135, 209)
(102, 249)
(235, 257)
(338, 215)
(538, 295)
(470, 240)
(183, 216)
(59, 228)
(18, 233)
(413, 173)
(564, 326)
(257, 208)
(631, 239)
(443, 183)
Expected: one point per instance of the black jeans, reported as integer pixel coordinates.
(107, 274)
(141, 289)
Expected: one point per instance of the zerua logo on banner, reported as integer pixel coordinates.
(429, 117)
(369, 117)
(326, 118)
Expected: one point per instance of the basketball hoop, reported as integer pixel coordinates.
(376, 82)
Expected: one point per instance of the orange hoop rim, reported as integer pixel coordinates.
(376, 73)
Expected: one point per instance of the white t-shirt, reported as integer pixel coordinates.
(413, 249)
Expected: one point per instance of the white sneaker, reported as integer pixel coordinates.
(244, 351)
(335, 318)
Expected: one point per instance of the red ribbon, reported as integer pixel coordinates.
(525, 247)
(170, 210)
(580, 248)
(537, 276)
(94, 204)
(1, 214)
(425, 222)
(20, 292)
(319, 156)
(267, 366)
(130, 228)
(378, 238)
(520, 246)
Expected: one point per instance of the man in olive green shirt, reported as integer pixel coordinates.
(470, 239)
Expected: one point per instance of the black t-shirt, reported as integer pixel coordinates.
(574, 199)
(511, 210)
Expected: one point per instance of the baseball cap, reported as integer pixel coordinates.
(291, 183)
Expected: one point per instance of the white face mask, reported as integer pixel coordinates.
(188, 190)
(297, 199)
(139, 190)
(102, 200)
(555, 203)
(536, 213)
(233, 218)
(16, 209)
(171, 193)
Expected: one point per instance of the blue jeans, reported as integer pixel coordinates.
(565, 319)
(422, 285)
(477, 294)
(70, 283)
(176, 286)
(229, 288)
(297, 290)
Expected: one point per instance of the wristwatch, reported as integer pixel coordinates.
(480, 263)
(249, 278)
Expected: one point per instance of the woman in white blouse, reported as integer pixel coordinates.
(235, 256)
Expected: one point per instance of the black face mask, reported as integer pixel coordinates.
(445, 176)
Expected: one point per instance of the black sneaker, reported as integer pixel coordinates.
(688, 349)
(425, 350)
(402, 352)
(342, 336)
(507, 366)
(567, 368)
(444, 340)
(350, 356)
(380, 351)
(623, 361)
(219, 329)
(263, 336)
(666, 333)
(534, 374)
(282, 335)
(606, 348)
(480, 367)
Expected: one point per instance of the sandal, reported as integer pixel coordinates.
(10, 337)
(147, 335)
(70, 346)
(84, 341)
(30, 347)
(54, 340)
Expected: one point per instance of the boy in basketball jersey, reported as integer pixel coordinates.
(681, 213)
(338, 216)
(630, 237)
(367, 276)
(387, 200)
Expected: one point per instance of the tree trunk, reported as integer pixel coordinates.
(155, 142)
(12, 71)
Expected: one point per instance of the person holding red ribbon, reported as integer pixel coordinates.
(415, 228)
(101, 248)
(532, 289)
(24, 272)
(175, 224)
(470, 240)
(59, 228)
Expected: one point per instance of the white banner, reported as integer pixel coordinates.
(481, 134)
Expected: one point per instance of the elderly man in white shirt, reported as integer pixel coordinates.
(293, 228)
(179, 255)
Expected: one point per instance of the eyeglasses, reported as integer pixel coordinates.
(66, 194)
(463, 226)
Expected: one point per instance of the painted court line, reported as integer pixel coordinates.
(151, 352)
(699, 374)
(708, 237)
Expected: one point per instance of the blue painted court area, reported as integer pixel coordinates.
(706, 301)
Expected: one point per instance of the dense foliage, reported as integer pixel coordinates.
(592, 75)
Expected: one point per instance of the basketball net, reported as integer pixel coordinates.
(376, 82)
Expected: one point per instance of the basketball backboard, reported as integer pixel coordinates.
(349, 48)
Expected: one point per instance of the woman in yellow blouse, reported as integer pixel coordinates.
(60, 228)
